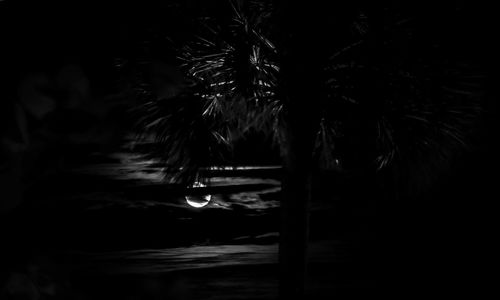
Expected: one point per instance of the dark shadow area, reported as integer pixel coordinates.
(85, 212)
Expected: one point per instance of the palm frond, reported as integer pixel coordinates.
(183, 138)
(421, 107)
(324, 150)
(232, 71)
(236, 68)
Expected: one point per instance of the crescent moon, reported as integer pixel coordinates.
(198, 201)
(190, 200)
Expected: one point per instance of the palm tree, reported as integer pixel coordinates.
(309, 77)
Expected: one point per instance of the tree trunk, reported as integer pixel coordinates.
(294, 229)
(303, 48)
(299, 90)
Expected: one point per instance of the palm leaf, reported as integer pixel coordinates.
(184, 139)
(420, 108)
(232, 76)
(236, 69)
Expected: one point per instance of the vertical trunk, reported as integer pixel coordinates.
(303, 49)
(294, 231)
(299, 87)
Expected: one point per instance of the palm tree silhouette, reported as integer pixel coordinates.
(384, 82)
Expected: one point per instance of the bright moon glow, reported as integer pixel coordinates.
(198, 200)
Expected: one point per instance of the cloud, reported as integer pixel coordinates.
(186, 258)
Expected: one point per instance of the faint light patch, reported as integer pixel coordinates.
(156, 176)
(269, 234)
(184, 258)
(139, 167)
(218, 202)
(223, 181)
(247, 200)
(238, 168)
(245, 237)
(142, 170)
(130, 166)
(266, 238)
(103, 200)
(250, 200)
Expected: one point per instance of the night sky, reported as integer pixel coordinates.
(86, 200)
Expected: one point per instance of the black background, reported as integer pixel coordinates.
(440, 243)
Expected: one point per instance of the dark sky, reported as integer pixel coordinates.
(47, 36)
(44, 41)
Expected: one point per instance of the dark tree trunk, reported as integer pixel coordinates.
(305, 33)
(300, 90)
(294, 231)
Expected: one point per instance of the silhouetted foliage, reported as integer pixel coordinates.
(390, 84)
